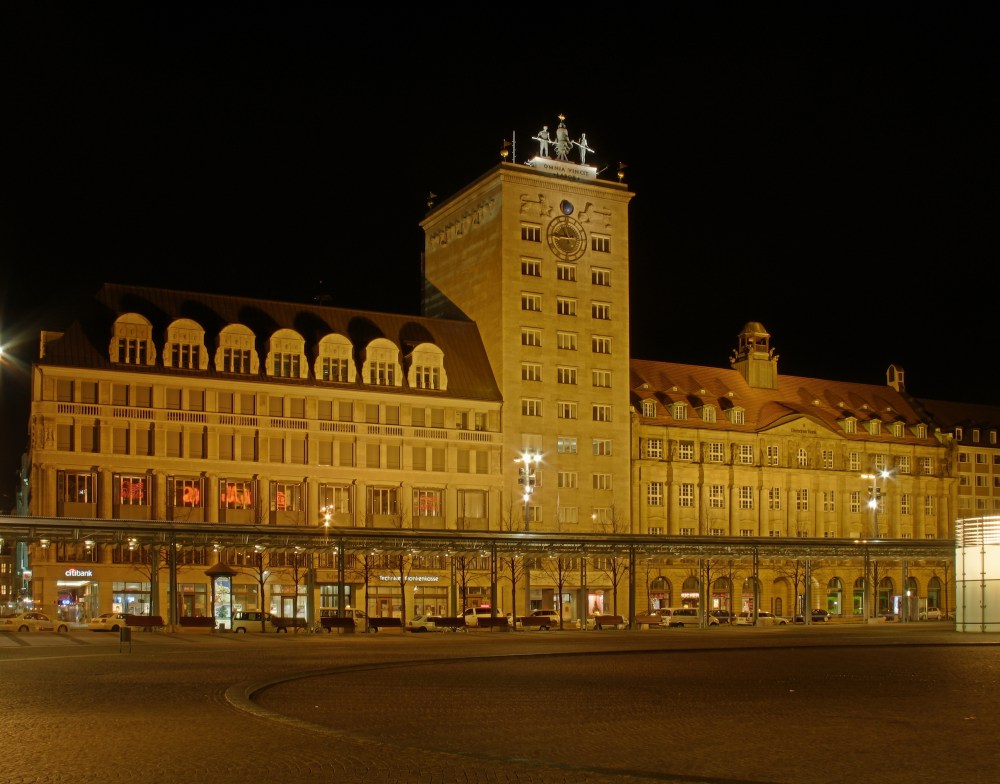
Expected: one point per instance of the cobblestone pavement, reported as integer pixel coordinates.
(803, 705)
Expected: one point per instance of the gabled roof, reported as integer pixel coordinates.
(824, 401)
(85, 342)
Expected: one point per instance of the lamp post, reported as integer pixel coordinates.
(874, 497)
(526, 478)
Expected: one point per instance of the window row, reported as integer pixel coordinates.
(565, 271)
(752, 454)
(599, 412)
(565, 341)
(334, 499)
(565, 306)
(599, 243)
(332, 359)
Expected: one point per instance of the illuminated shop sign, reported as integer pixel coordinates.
(78, 573)
(418, 578)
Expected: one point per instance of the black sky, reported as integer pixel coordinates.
(827, 169)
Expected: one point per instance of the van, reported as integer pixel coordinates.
(684, 616)
(250, 621)
(473, 614)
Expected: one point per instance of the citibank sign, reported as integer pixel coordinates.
(78, 573)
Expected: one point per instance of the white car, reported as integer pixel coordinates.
(685, 616)
(764, 618)
(932, 614)
(422, 623)
(32, 621)
(108, 622)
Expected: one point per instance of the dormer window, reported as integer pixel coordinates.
(649, 408)
(708, 413)
(427, 368)
(132, 341)
(381, 367)
(874, 427)
(236, 353)
(920, 431)
(897, 429)
(680, 411)
(850, 424)
(185, 346)
(959, 434)
(334, 361)
(737, 416)
(286, 356)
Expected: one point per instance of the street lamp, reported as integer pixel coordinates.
(874, 499)
(528, 461)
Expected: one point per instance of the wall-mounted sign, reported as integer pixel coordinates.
(78, 573)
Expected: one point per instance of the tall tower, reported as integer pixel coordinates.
(537, 255)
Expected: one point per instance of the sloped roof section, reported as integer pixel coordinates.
(824, 401)
(85, 342)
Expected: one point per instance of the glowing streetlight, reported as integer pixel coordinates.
(874, 500)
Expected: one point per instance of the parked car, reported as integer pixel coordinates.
(473, 614)
(933, 614)
(764, 618)
(685, 616)
(817, 616)
(108, 622)
(250, 621)
(32, 621)
(422, 623)
(549, 615)
(723, 616)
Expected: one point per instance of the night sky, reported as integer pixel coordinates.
(830, 173)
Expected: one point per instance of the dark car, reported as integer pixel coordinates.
(818, 616)
(724, 616)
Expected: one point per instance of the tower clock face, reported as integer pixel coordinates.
(566, 238)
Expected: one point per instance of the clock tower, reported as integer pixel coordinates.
(537, 255)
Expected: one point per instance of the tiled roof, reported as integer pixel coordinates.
(85, 342)
(948, 415)
(822, 400)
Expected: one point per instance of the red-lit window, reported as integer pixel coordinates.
(131, 490)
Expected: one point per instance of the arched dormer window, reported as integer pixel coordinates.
(236, 352)
(426, 369)
(185, 346)
(132, 341)
(381, 365)
(334, 361)
(286, 355)
(649, 408)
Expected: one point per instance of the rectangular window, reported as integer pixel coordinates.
(569, 514)
(903, 464)
(286, 497)
(802, 500)
(566, 445)
(601, 481)
(774, 498)
(566, 272)
(601, 412)
(236, 494)
(531, 233)
(829, 501)
(654, 448)
(600, 310)
(685, 495)
(567, 479)
(716, 452)
(602, 446)
(566, 409)
(600, 244)
(929, 505)
(531, 407)
(532, 302)
(746, 496)
(427, 503)
(854, 462)
(803, 458)
(855, 501)
(333, 368)
(565, 306)
(131, 490)
(600, 276)
(185, 492)
(382, 373)
(654, 494)
(600, 344)
(773, 456)
(335, 499)
(566, 341)
(531, 336)
(531, 371)
(685, 450)
(383, 500)
(285, 365)
(905, 504)
(980, 460)
(235, 360)
(601, 378)
(566, 375)
(531, 268)
(717, 496)
(827, 457)
(746, 454)
(881, 462)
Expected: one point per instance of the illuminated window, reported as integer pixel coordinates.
(185, 346)
(602, 446)
(383, 500)
(185, 492)
(381, 365)
(236, 353)
(237, 494)
(334, 359)
(286, 497)
(566, 445)
(132, 343)
(131, 490)
(427, 367)
(77, 487)
(427, 503)
(286, 354)
(335, 499)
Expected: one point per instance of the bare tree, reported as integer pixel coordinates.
(150, 562)
(298, 567)
(512, 567)
(402, 563)
(558, 568)
(795, 573)
(614, 567)
(361, 568)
